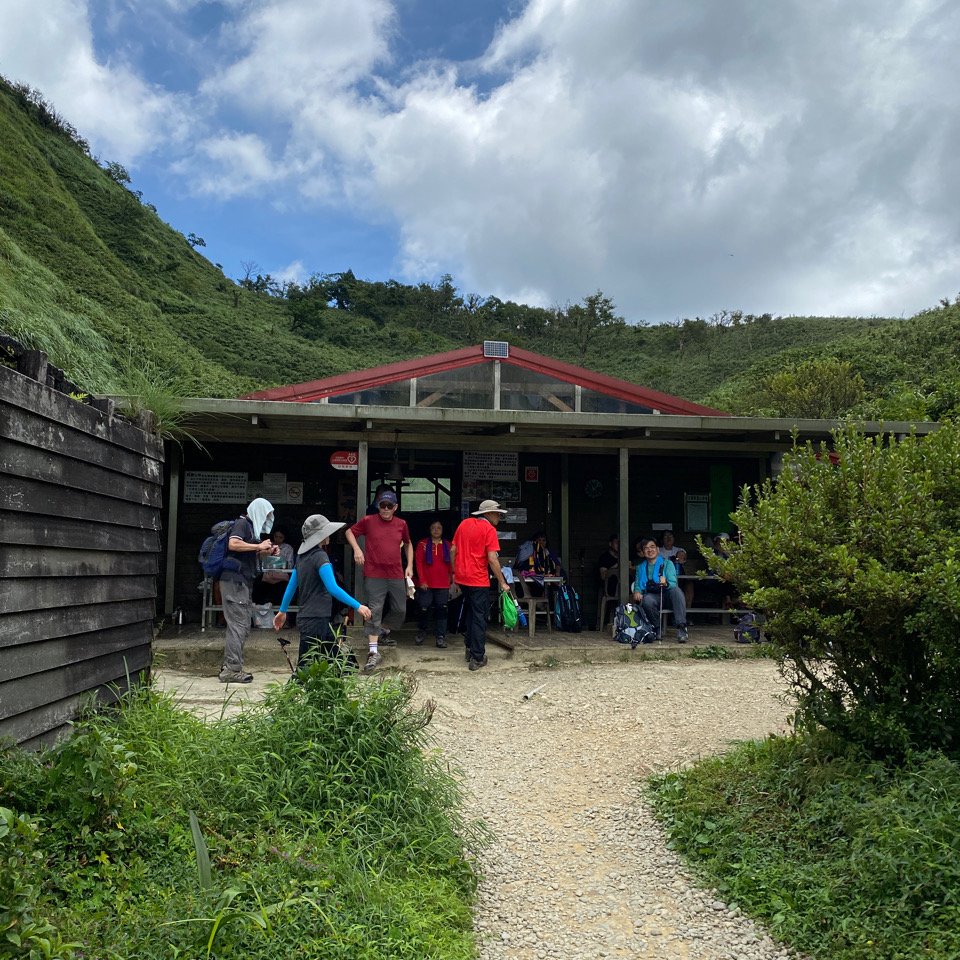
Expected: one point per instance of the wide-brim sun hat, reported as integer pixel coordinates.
(489, 506)
(316, 528)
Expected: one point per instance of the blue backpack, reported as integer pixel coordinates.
(213, 554)
(747, 629)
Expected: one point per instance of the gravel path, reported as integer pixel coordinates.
(579, 868)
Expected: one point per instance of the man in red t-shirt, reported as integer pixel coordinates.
(383, 570)
(475, 548)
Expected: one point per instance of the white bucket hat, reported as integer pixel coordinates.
(316, 528)
(488, 506)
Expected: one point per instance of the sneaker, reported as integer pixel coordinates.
(477, 664)
(682, 634)
(441, 642)
(373, 661)
(386, 639)
(235, 676)
(421, 636)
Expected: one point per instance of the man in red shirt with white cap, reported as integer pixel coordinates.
(475, 548)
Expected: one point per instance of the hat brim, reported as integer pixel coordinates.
(480, 513)
(316, 538)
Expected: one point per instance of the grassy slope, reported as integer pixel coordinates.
(95, 278)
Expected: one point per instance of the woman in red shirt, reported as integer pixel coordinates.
(434, 576)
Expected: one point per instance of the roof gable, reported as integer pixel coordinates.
(394, 373)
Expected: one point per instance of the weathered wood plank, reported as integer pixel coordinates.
(31, 496)
(46, 724)
(37, 594)
(40, 561)
(71, 531)
(43, 433)
(34, 625)
(28, 395)
(17, 460)
(28, 693)
(20, 661)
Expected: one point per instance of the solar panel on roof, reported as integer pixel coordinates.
(496, 348)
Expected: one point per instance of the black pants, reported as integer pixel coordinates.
(433, 599)
(318, 639)
(476, 610)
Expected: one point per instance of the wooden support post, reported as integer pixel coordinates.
(625, 546)
(363, 491)
(565, 513)
(173, 515)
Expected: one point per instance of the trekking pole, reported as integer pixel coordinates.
(284, 643)
(660, 624)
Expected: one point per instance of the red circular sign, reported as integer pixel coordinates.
(344, 460)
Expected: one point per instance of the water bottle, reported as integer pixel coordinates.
(521, 617)
(411, 588)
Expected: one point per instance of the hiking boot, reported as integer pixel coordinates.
(477, 664)
(235, 676)
(386, 639)
(441, 642)
(373, 661)
(682, 634)
(421, 636)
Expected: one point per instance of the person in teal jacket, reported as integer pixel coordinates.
(656, 582)
(314, 577)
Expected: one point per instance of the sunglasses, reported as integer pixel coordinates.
(387, 506)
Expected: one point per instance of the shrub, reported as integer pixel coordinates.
(854, 556)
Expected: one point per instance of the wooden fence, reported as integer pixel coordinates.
(80, 498)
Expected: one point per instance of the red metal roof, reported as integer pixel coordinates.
(373, 377)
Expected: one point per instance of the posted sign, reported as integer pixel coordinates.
(344, 460)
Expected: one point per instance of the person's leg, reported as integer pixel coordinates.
(674, 596)
(397, 610)
(236, 612)
(467, 618)
(440, 597)
(424, 602)
(651, 607)
(376, 590)
(478, 628)
(311, 632)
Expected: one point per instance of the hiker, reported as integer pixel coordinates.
(434, 577)
(243, 546)
(314, 577)
(270, 585)
(385, 534)
(655, 582)
(609, 564)
(535, 560)
(475, 547)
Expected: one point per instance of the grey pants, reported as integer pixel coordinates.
(237, 613)
(377, 592)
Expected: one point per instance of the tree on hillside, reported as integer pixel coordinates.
(818, 389)
(579, 324)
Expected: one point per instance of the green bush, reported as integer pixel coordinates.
(854, 556)
(842, 856)
(330, 826)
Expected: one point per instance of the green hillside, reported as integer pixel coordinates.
(91, 274)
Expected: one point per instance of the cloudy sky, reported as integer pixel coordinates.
(683, 157)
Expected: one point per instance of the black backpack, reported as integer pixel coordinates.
(566, 610)
(632, 625)
(747, 629)
(213, 555)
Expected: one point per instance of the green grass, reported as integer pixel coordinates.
(330, 826)
(843, 858)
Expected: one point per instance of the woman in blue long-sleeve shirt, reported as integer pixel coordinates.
(318, 587)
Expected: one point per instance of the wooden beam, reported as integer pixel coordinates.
(624, 572)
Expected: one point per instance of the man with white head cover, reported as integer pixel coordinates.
(249, 537)
(318, 589)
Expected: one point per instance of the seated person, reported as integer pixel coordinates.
(656, 581)
(680, 563)
(535, 560)
(724, 592)
(609, 564)
(271, 584)
(668, 545)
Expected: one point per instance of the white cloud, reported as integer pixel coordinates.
(239, 164)
(49, 45)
